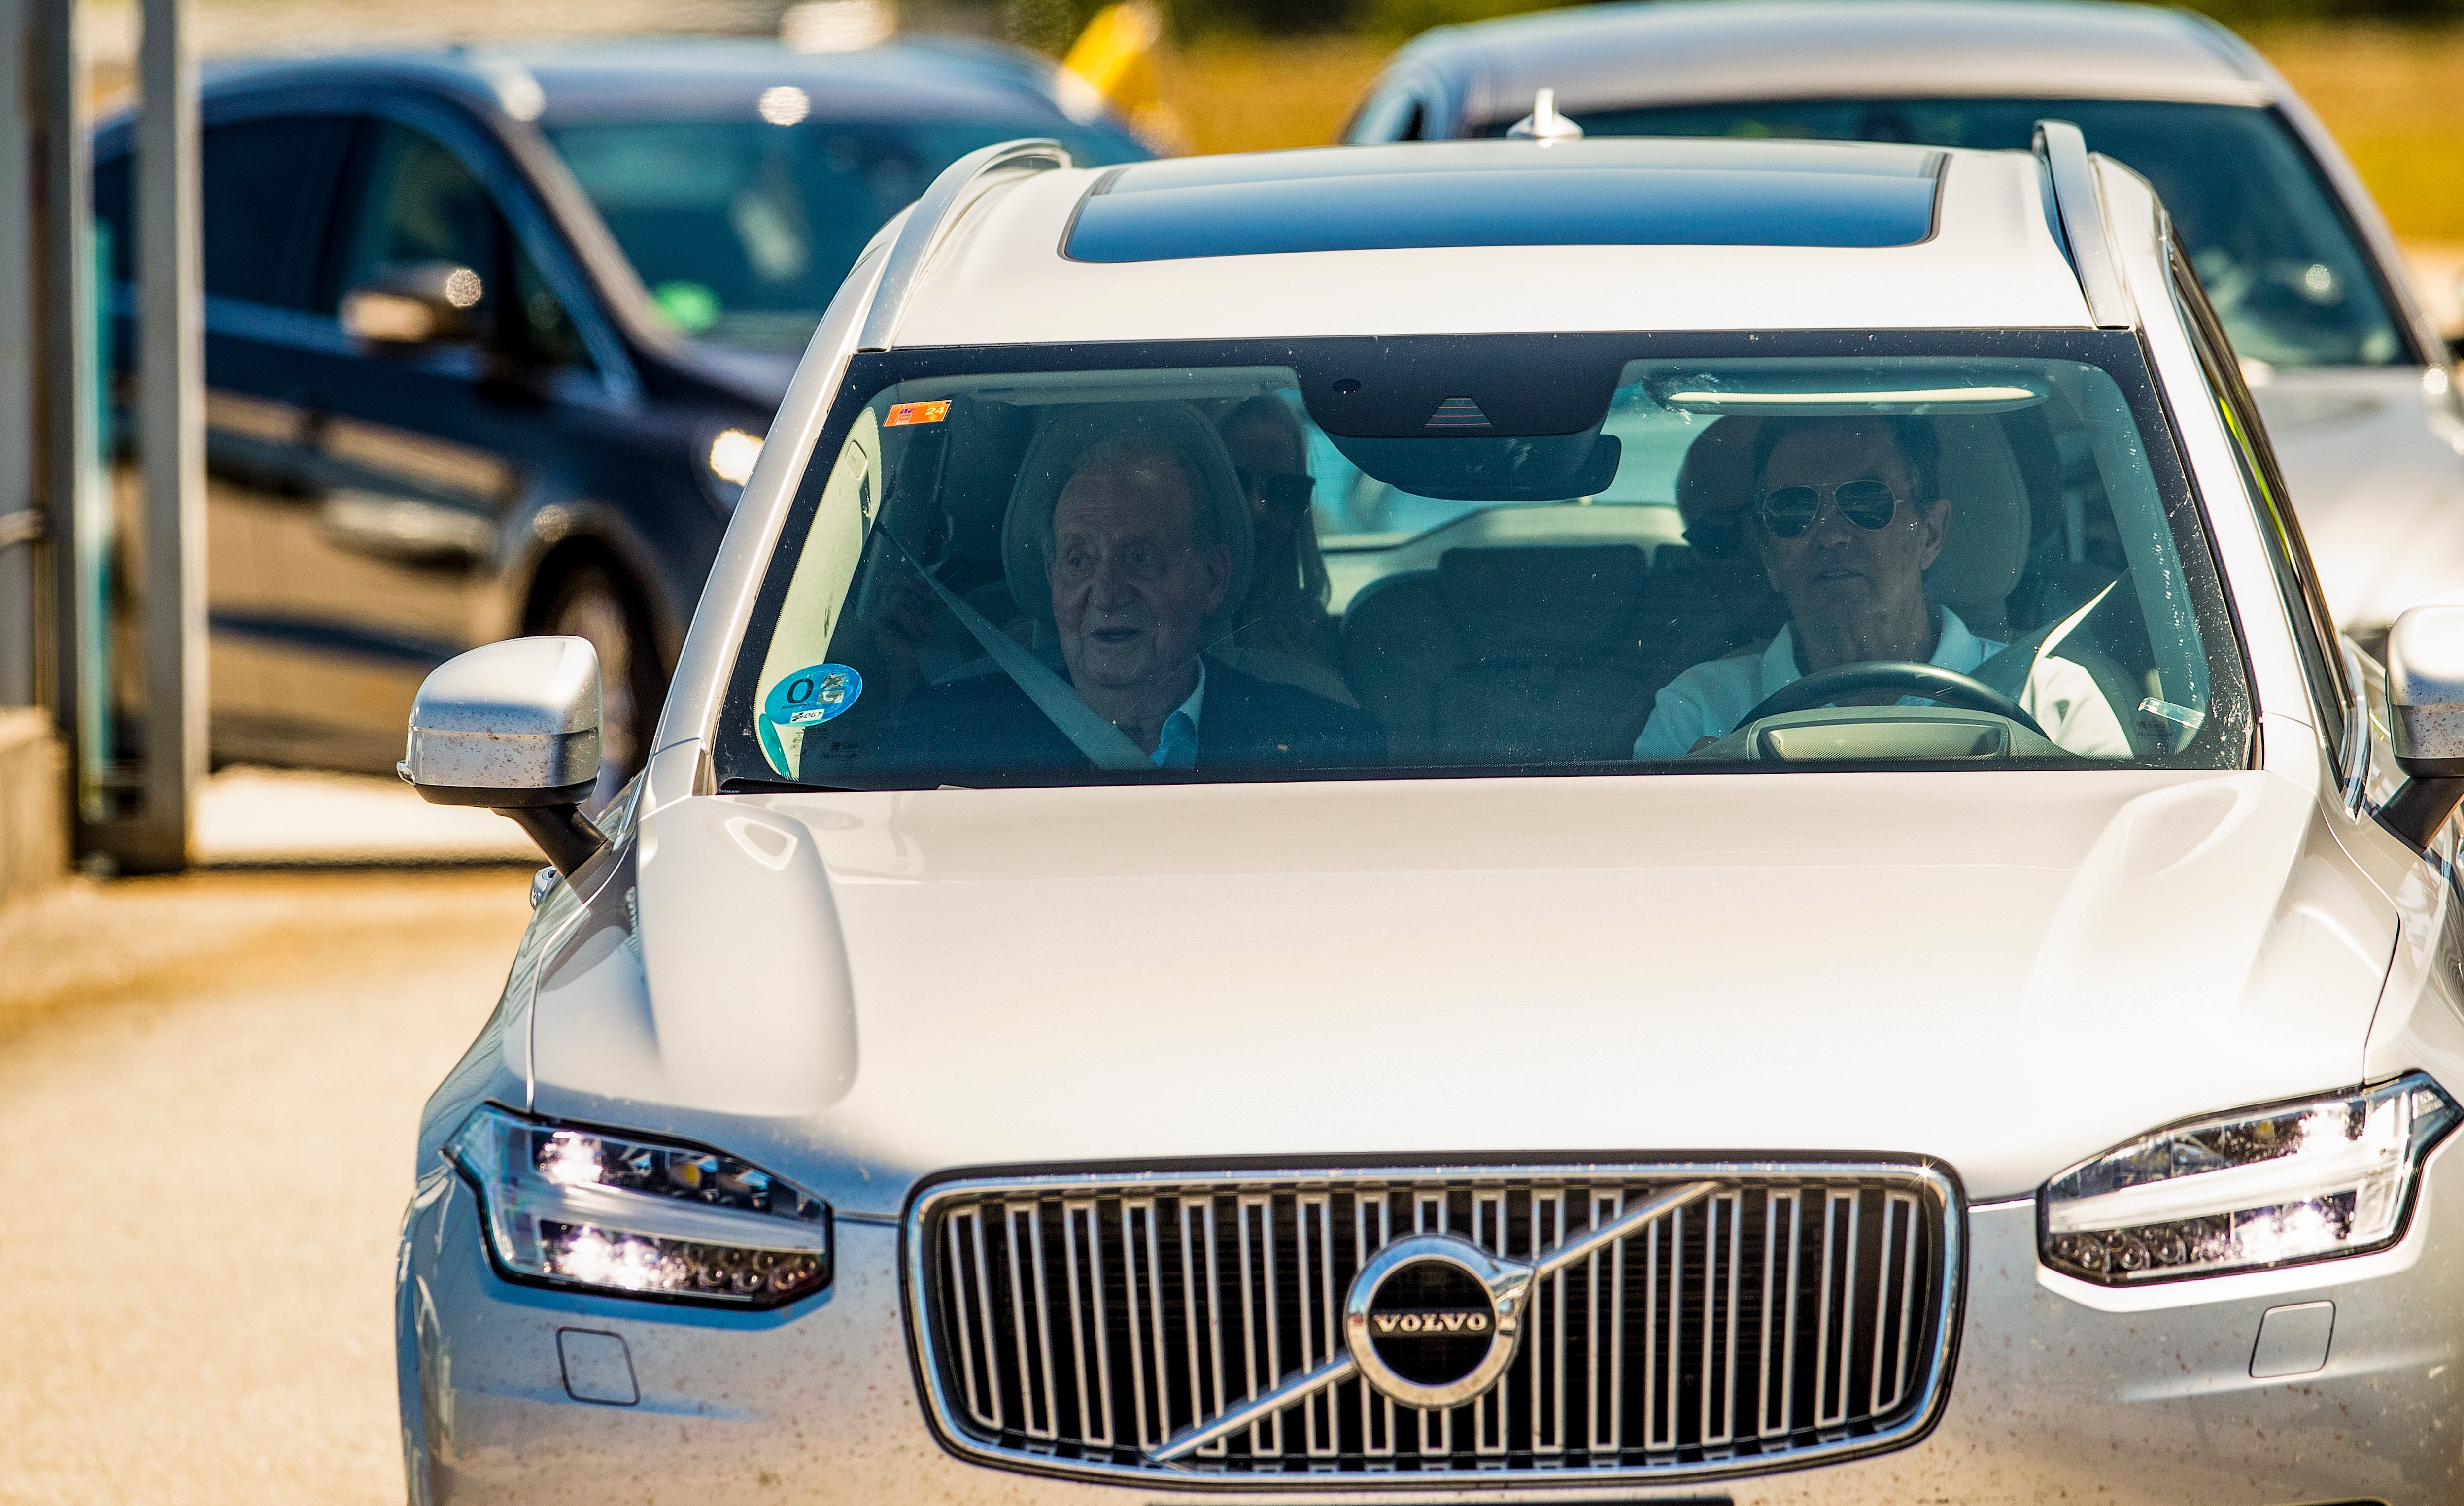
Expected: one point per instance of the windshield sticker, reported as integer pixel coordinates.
(906, 413)
(810, 697)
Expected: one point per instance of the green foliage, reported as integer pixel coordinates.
(1401, 19)
(1045, 26)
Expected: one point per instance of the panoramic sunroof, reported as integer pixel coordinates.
(1510, 193)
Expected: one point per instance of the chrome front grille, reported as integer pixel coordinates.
(1077, 1324)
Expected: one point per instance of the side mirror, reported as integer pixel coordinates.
(2425, 670)
(414, 303)
(513, 727)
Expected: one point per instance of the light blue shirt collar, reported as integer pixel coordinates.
(1176, 746)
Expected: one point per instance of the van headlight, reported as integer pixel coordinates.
(2264, 1186)
(727, 459)
(624, 1212)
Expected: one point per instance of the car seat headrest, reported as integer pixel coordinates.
(1715, 488)
(1987, 548)
(1509, 604)
(1063, 441)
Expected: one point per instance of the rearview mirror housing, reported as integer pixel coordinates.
(513, 727)
(410, 304)
(2425, 671)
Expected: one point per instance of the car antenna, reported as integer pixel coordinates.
(1543, 124)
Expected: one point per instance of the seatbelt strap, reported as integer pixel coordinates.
(1105, 745)
(2024, 658)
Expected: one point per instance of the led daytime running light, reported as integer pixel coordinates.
(2274, 1186)
(624, 1213)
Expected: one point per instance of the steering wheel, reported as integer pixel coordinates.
(1932, 682)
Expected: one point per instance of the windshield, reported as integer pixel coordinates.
(2280, 261)
(742, 229)
(1500, 554)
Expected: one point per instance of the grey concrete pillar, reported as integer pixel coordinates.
(170, 442)
(78, 523)
(21, 511)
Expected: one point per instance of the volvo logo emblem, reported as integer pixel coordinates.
(1433, 1325)
(1434, 1320)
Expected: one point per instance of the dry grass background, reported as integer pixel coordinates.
(2394, 97)
(1257, 94)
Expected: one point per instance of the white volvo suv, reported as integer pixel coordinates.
(1582, 821)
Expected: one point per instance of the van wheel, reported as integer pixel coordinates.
(594, 603)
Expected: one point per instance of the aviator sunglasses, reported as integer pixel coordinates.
(1787, 512)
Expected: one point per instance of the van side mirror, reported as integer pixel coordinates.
(2425, 668)
(513, 727)
(408, 305)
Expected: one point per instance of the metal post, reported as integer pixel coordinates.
(21, 513)
(169, 441)
(79, 514)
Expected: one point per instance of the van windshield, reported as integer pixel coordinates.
(742, 228)
(1494, 555)
(2280, 262)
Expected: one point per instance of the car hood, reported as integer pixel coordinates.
(2007, 971)
(2371, 458)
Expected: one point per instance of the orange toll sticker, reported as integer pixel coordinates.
(917, 413)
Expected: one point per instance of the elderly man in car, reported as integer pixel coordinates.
(1847, 515)
(1137, 562)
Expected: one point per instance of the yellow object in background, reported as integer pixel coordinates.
(1116, 55)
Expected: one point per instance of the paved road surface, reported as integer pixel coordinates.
(208, 1087)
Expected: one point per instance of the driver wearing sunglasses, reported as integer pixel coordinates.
(1847, 515)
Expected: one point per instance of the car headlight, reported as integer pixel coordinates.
(730, 455)
(624, 1212)
(2264, 1186)
(726, 458)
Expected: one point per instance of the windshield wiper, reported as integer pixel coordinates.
(743, 786)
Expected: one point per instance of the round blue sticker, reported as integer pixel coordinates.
(812, 696)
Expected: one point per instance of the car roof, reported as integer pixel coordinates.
(1677, 52)
(1002, 272)
(692, 77)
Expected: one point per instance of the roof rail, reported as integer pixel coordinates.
(2078, 222)
(929, 222)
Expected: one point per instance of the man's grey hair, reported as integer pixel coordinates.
(1147, 462)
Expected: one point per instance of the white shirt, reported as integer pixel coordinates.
(1710, 699)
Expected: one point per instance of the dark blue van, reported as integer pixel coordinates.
(492, 336)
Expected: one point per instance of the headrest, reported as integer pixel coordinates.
(1062, 442)
(1715, 487)
(1987, 544)
(1559, 600)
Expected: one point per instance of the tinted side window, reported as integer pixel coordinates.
(544, 334)
(2314, 626)
(421, 204)
(1396, 116)
(111, 217)
(265, 186)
